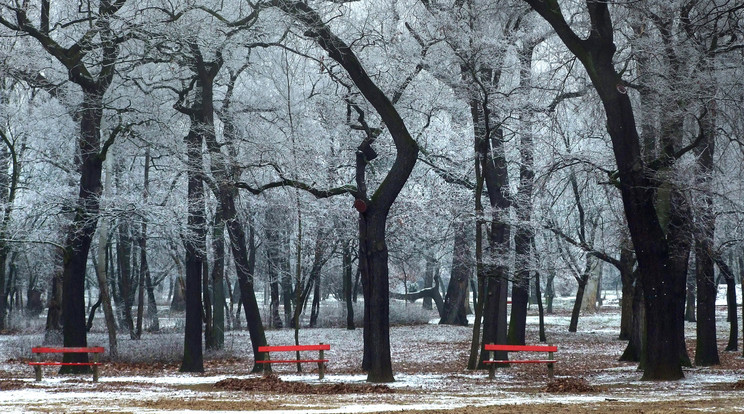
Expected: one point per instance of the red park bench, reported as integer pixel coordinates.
(491, 348)
(40, 350)
(295, 348)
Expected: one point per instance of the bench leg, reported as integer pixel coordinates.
(37, 371)
(491, 367)
(95, 368)
(550, 365)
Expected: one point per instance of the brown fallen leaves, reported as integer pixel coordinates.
(272, 383)
(570, 385)
(6, 385)
(738, 385)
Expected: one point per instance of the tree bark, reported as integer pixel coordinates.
(523, 233)
(627, 279)
(706, 351)
(454, 312)
(243, 248)
(428, 279)
(373, 212)
(217, 337)
(582, 281)
(81, 230)
(126, 279)
(662, 278)
(277, 261)
(347, 285)
(101, 272)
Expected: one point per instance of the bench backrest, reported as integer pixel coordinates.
(287, 348)
(521, 348)
(66, 350)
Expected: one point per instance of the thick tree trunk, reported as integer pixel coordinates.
(373, 260)
(634, 350)
(707, 347)
(663, 283)
(523, 207)
(454, 312)
(195, 243)
(245, 263)
(495, 174)
(81, 230)
(706, 350)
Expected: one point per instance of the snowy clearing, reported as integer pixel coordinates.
(429, 361)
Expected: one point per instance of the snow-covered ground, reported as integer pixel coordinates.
(429, 361)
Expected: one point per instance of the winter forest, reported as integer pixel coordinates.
(287, 164)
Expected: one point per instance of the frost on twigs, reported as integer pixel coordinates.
(273, 383)
(570, 385)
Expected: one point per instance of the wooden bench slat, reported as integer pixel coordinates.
(290, 361)
(68, 350)
(289, 348)
(521, 348)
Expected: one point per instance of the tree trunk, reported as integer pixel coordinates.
(81, 230)
(124, 260)
(347, 282)
(495, 174)
(740, 261)
(144, 271)
(634, 350)
(540, 311)
(373, 260)
(627, 279)
(454, 312)
(582, 281)
(549, 293)
(690, 311)
(428, 279)
(663, 282)
(217, 337)
(101, 272)
(732, 315)
(373, 257)
(52, 333)
(193, 358)
(523, 206)
(277, 258)
(706, 350)
(152, 306)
